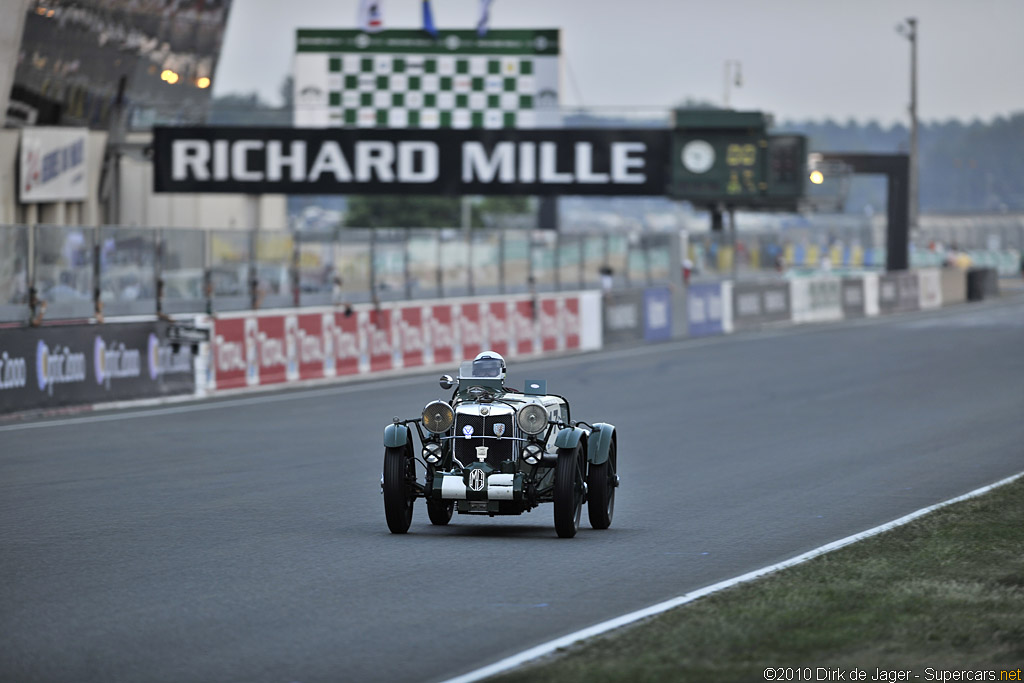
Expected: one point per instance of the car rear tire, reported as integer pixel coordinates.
(440, 511)
(569, 490)
(399, 494)
(601, 491)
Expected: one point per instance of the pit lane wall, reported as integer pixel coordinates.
(58, 366)
(287, 346)
(714, 308)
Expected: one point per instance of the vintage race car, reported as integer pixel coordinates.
(492, 450)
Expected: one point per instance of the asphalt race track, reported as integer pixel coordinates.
(244, 539)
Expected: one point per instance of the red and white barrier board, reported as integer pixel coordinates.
(262, 348)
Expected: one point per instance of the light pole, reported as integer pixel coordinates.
(908, 30)
(732, 75)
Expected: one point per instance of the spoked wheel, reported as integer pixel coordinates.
(440, 511)
(399, 494)
(569, 489)
(601, 484)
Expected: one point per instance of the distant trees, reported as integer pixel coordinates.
(963, 167)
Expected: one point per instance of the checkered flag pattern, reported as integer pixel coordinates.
(426, 91)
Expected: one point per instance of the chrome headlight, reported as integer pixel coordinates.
(532, 419)
(438, 417)
(432, 452)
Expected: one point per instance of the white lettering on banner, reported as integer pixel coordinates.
(190, 160)
(527, 162)
(59, 366)
(376, 338)
(406, 161)
(426, 152)
(715, 306)
(240, 161)
(585, 165)
(328, 332)
(472, 331)
(623, 160)
(295, 161)
(697, 310)
(497, 328)
(13, 372)
(221, 167)
(548, 165)
(410, 337)
(170, 362)
(657, 313)
(228, 355)
(887, 292)
(441, 334)
(523, 324)
(311, 347)
(748, 303)
(330, 160)
(271, 351)
(476, 165)
(547, 323)
(114, 361)
(252, 362)
(622, 317)
(774, 302)
(570, 323)
(375, 156)
(500, 165)
(375, 160)
(291, 347)
(346, 344)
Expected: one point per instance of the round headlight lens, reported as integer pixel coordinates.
(532, 454)
(533, 419)
(438, 417)
(432, 453)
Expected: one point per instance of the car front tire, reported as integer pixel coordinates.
(601, 491)
(569, 490)
(440, 511)
(399, 494)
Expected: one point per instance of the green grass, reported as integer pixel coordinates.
(945, 591)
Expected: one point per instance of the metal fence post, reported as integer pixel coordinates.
(469, 265)
(501, 260)
(405, 265)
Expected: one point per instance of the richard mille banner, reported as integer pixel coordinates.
(402, 161)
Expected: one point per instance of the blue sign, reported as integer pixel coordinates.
(704, 309)
(657, 314)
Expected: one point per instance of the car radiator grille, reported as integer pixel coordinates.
(498, 451)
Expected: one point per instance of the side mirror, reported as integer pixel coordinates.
(447, 382)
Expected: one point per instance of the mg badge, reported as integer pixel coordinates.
(499, 429)
(477, 480)
(467, 431)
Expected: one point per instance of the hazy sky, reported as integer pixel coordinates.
(801, 59)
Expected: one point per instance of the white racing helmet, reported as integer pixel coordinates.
(489, 364)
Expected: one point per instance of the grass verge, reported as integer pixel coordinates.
(944, 593)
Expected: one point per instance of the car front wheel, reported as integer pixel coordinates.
(601, 483)
(399, 494)
(440, 511)
(569, 489)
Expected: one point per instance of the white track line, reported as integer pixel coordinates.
(605, 626)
